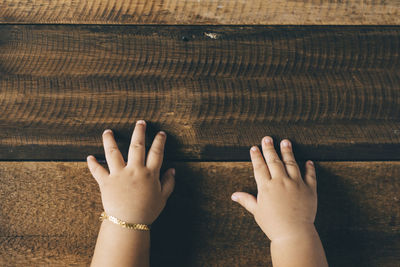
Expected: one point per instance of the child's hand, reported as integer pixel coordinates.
(132, 191)
(286, 204)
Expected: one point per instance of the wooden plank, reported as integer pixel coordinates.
(381, 249)
(252, 12)
(45, 251)
(49, 210)
(196, 51)
(335, 92)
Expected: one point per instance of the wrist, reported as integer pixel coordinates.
(299, 232)
(126, 234)
(144, 214)
(303, 248)
(116, 244)
(124, 224)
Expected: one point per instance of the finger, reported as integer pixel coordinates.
(310, 175)
(156, 152)
(275, 165)
(96, 169)
(137, 150)
(114, 157)
(168, 183)
(288, 159)
(246, 200)
(261, 172)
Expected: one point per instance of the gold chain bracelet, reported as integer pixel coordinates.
(134, 226)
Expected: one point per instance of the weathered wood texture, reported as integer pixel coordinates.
(49, 211)
(335, 92)
(239, 12)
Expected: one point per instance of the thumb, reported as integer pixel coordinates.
(248, 201)
(168, 183)
(96, 169)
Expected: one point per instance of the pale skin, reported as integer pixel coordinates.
(132, 191)
(285, 207)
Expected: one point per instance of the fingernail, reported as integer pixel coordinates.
(142, 122)
(234, 197)
(163, 133)
(311, 163)
(173, 172)
(107, 131)
(268, 140)
(89, 157)
(285, 143)
(253, 148)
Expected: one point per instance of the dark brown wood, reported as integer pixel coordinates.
(333, 91)
(200, 12)
(49, 210)
(196, 51)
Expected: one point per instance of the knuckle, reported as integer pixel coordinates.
(286, 150)
(112, 150)
(274, 161)
(290, 162)
(155, 171)
(270, 149)
(287, 153)
(137, 144)
(312, 190)
(145, 172)
(311, 173)
(312, 176)
(276, 183)
(140, 174)
(158, 150)
(259, 164)
(130, 171)
(291, 184)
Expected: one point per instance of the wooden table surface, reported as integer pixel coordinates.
(217, 76)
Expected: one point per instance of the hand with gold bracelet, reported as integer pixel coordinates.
(133, 196)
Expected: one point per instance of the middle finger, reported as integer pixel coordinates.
(137, 149)
(291, 166)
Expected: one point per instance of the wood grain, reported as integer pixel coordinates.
(49, 210)
(252, 12)
(196, 51)
(335, 92)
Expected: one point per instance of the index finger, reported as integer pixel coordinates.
(261, 172)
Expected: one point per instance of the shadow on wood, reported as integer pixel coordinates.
(174, 233)
(350, 208)
(358, 215)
